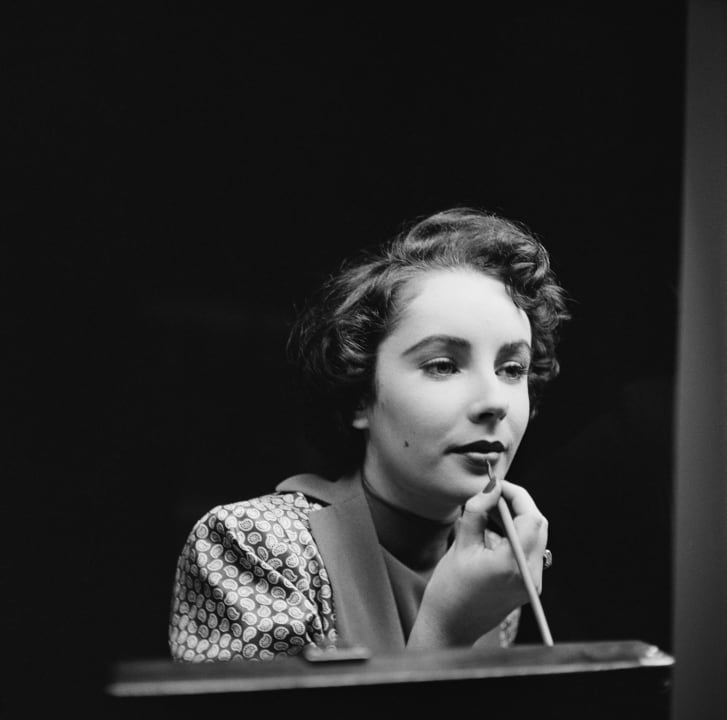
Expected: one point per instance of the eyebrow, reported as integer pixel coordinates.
(461, 343)
(449, 340)
(517, 346)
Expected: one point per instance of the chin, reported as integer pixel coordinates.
(463, 488)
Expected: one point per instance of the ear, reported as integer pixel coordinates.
(361, 419)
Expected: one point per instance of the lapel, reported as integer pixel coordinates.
(363, 599)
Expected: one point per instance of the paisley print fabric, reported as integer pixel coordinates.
(250, 584)
(508, 628)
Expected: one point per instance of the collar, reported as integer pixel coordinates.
(344, 531)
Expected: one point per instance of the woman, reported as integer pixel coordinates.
(424, 362)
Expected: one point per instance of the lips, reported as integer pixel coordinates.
(480, 446)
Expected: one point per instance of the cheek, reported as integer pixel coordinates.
(411, 416)
(520, 415)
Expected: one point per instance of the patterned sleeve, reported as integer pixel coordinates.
(250, 584)
(509, 627)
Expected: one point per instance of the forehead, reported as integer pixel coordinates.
(462, 302)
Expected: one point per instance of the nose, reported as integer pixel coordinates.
(489, 400)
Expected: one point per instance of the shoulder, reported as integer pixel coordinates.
(274, 524)
(264, 514)
(251, 583)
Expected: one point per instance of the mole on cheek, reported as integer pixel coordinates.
(406, 443)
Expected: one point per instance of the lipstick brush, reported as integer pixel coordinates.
(517, 549)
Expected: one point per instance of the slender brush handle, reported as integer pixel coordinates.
(522, 562)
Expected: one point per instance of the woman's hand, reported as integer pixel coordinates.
(478, 583)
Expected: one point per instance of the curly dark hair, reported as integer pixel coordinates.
(335, 340)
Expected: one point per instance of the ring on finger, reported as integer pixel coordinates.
(547, 558)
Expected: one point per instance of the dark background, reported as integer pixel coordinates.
(182, 176)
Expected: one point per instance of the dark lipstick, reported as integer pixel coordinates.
(480, 446)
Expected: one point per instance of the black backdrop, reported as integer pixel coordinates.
(183, 175)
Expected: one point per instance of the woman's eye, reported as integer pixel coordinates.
(513, 370)
(440, 367)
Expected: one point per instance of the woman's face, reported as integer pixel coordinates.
(451, 393)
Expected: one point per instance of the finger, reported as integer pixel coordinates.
(493, 539)
(519, 499)
(532, 525)
(473, 522)
(533, 533)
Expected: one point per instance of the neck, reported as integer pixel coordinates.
(416, 541)
(390, 493)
